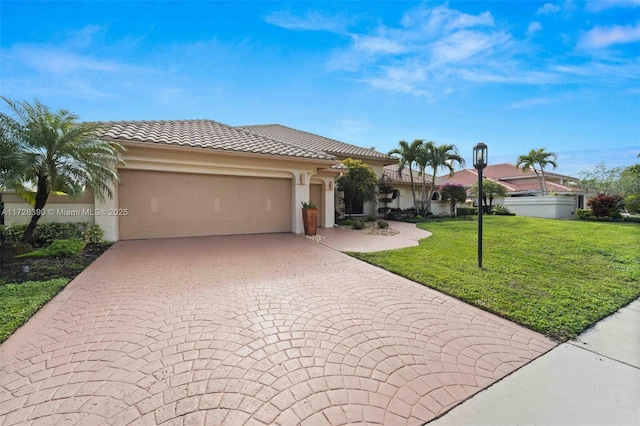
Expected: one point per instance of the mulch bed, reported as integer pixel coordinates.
(41, 269)
(371, 228)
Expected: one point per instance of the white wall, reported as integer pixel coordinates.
(405, 201)
(546, 207)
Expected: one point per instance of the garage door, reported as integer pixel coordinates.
(162, 204)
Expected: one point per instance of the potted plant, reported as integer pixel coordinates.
(309, 217)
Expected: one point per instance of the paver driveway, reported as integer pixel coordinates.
(272, 329)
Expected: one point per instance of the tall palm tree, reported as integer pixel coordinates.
(407, 155)
(51, 151)
(541, 158)
(436, 157)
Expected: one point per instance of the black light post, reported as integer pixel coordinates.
(479, 163)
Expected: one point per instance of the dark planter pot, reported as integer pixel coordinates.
(310, 220)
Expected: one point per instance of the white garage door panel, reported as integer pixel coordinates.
(162, 204)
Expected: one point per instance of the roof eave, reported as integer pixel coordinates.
(161, 145)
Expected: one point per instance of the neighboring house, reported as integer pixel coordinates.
(201, 177)
(523, 197)
(401, 181)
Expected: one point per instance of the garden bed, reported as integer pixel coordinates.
(40, 269)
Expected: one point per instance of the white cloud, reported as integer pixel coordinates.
(601, 37)
(434, 51)
(428, 46)
(548, 9)
(311, 21)
(377, 44)
(533, 28)
(463, 45)
(553, 8)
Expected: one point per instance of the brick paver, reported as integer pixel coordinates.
(266, 329)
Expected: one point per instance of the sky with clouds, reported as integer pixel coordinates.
(515, 75)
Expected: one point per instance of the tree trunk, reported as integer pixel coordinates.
(540, 182)
(544, 183)
(42, 194)
(413, 189)
(424, 186)
(431, 189)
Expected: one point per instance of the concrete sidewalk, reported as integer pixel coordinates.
(591, 380)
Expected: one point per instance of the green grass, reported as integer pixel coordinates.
(18, 302)
(59, 248)
(557, 277)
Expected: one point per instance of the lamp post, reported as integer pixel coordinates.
(479, 163)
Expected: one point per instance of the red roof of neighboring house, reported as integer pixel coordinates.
(513, 179)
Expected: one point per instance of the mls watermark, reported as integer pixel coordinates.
(64, 212)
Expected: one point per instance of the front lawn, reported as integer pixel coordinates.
(557, 277)
(18, 302)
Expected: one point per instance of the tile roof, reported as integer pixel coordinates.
(506, 171)
(391, 172)
(314, 142)
(206, 134)
(513, 179)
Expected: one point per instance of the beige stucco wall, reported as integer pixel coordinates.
(59, 208)
(184, 160)
(301, 173)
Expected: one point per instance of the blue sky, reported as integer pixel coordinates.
(515, 75)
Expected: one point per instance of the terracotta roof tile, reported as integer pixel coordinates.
(314, 142)
(514, 179)
(206, 134)
(391, 172)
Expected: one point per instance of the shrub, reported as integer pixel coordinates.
(382, 224)
(46, 233)
(371, 218)
(358, 225)
(584, 214)
(467, 211)
(502, 210)
(59, 248)
(348, 222)
(632, 204)
(603, 205)
(14, 233)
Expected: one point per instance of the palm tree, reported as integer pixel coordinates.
(51, 152)
(541, 158)
(407, 153)
(436, 157)
(490, 189)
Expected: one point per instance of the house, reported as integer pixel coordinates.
(202, 177)
(401, 182)
(523, 194)
(376, 160)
